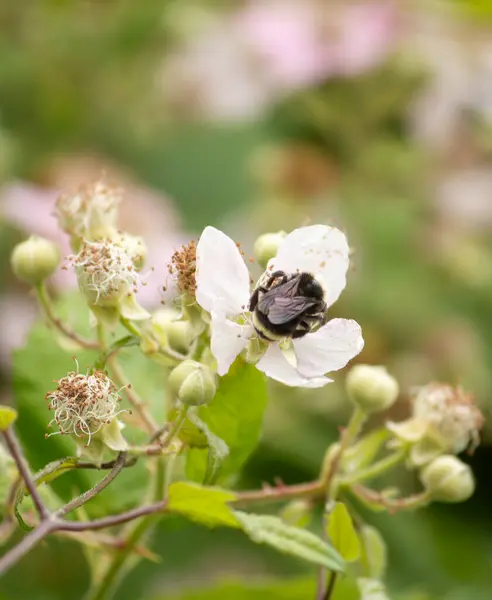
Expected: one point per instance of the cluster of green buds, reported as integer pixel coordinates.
(86, 408)
(443, 423)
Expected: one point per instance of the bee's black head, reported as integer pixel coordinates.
(309, 287)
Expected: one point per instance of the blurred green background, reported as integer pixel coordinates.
(372, 116)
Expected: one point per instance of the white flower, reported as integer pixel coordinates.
(223, 289)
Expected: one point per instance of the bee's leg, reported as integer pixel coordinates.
(302, 329)
(276, 275)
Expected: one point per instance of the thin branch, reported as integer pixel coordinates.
(105, 465)
(16, 452)
(112, 520)
(138, 404)
(47, 307)
(331, 586)
(282, 493)
(97, 489)
(392, 505)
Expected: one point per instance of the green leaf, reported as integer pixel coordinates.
(208, 506)
(290, 540)
(374, 553)
(288, 589)
(371, 589)
(7, 417)
(218, 450)
(235, 416)
(342, 533)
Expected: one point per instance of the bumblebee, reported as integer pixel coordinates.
(287, 306)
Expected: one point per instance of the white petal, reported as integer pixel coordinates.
(222, 278)
(328, 349)
(228, 340)
(319, 250)
(275, 365)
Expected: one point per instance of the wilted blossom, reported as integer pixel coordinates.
(444, 420)
(223, 290)
(86, 407)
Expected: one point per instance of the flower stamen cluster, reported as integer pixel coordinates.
(83, 404)
(105, 271)
(89, 212)
(183, 268)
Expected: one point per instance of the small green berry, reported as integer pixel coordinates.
(371, 388)
(193, 383)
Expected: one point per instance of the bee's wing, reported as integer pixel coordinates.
(283, 310)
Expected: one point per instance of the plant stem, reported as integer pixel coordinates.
(138, 404)
(374, 470)
(46, 305)
(331, 586)
(354, 426)
(97, 489)
(311, 490)
(131, 327)
(16, 452)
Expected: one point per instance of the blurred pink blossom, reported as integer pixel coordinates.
(240, 63)
(302, 43)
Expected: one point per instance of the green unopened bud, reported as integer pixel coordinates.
(168, 331)
(371, 388)
(266, 247)
(35, 259)
(448, 479)
(193, 383)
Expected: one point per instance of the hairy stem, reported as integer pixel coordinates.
(97, 489)
(16, 452)
(47, 306)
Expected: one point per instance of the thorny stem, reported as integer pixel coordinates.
(392, 505)
(138, 404)
(47, 307)
(16, 452)
(97, 489)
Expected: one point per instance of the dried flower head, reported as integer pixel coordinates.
(452, 412)
(83, 404)
(444, 421)
(90, 212)
(105, 272)
(183, 268)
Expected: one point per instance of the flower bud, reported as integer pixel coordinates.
(448, 479)
(371, 388)
(193, 383)
(178, 335)
(85, 407)
(35, 259)
(266, 247)
(90, 213)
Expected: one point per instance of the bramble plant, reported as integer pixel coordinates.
(179, 441)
